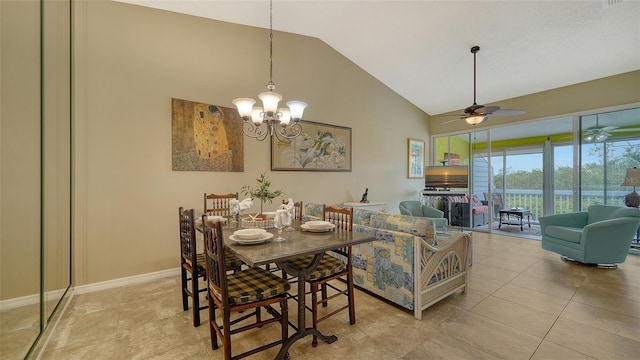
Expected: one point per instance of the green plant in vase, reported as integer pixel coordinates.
(262, 191)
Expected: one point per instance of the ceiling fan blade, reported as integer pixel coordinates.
(507, 112)
(450, 121)
(629, 129)
(486, 110)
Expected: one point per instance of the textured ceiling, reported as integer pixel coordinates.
(421, 49)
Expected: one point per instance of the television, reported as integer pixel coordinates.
(446, 177)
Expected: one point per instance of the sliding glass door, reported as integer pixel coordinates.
(565, 181)
(551, 166)
(610, 144)
(518, 178)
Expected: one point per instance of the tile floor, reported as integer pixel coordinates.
(522, 303)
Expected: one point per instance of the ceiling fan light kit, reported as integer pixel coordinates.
(476, 114)
(475, 119)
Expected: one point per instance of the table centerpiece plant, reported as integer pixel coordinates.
(262, 191)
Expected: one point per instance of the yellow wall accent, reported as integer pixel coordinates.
(458, 146)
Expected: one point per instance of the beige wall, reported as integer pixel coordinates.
(20, 150)
(130, 62)
(613, 91)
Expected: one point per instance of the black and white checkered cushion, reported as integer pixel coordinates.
(327, 266)
(231, 259)
(252, 285)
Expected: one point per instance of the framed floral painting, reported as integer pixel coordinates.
(416, 159)
(319, 147)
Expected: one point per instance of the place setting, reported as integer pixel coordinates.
(250, 236)
(317, 226)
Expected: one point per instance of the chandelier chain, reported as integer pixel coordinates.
(271, 42)
(283, 123)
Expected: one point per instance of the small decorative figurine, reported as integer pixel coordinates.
(364, 196)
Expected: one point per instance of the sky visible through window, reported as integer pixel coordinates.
(528, 162)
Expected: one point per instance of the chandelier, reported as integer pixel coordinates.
(277, 121)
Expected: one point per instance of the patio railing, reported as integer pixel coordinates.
(563, 199)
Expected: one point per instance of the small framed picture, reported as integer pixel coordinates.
(416, 159)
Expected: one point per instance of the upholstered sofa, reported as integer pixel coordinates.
(601, 235)
(406, 263)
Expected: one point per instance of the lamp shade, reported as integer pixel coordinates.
(285, 116)
(601, 137)
(270, 100)
(244, 106)
(632, 178)
(256, 115)
(475, 119)
(297, 108)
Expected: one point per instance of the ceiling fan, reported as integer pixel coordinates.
(476, 114)
(598, 133)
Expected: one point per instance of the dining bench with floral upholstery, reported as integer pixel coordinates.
(407, 263)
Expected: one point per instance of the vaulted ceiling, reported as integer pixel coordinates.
(421, 49)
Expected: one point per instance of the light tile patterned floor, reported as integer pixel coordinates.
(522, 303)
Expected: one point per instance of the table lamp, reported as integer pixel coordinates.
(632, 178)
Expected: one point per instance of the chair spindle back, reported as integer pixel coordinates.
(215, 204)
(216, 264)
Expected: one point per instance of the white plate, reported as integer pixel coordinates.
(249, 234)
(318, 224)
(265, 236)
(269, 214)
(305, 227)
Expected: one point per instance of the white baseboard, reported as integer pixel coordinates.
(83, 289)
(28, 300)
(131, 280)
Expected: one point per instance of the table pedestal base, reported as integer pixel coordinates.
(302, 331)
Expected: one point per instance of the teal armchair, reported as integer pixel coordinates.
(416, 208)
(601, 235)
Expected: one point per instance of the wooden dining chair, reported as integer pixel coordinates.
(297, 206)
(253, 288)
(331, 268)
(215, 204)
(192, 264)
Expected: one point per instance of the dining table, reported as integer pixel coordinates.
(298, 242)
